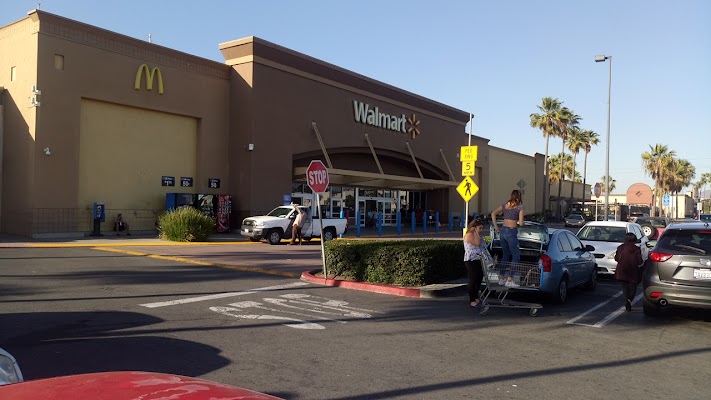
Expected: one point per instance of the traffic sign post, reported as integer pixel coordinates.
(468, 156)
(317, 179)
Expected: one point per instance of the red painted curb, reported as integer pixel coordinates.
(368, 287)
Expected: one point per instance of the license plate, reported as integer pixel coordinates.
(702, 273)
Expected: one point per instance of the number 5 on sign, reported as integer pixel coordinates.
(468, 168)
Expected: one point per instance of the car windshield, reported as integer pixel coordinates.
(532, 232)
(685, 241)
(705, 217)
(575, 216)
(655, 222)
(603, 233)
(280, 212)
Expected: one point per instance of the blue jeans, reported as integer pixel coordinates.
(509, 246)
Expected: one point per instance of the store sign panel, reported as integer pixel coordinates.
(365, 114)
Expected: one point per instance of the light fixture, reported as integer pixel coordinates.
(250, 147)
(47, 152)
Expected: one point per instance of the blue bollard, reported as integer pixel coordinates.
(413, 222)
(357, 223)
(437, 222)
(380, 223)
(451, 222)
(424, 222)
(398, 223)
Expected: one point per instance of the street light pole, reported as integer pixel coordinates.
(602, 58)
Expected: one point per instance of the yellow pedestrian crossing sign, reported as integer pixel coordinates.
(468, 153)
(467, 189)
(468, 168)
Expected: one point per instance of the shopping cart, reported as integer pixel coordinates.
(526, 276)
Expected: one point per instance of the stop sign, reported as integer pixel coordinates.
(597, 189)
(317, 176)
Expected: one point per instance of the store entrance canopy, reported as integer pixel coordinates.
(345, 177)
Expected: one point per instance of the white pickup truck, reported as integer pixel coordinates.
(276, 225)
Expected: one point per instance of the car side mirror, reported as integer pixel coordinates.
(651, 243)
(589, 247)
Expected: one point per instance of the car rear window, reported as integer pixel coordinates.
(685, 241)
(603, 233)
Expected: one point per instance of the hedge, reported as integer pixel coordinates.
(185, 224)
(396, 262)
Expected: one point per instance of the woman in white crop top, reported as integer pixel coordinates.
(474, 245)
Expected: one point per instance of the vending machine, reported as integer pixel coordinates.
(175, 200)
(217, 206)
(223, 211)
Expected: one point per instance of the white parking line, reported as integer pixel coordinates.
(608, 318)
(579, 317)
(222, 295)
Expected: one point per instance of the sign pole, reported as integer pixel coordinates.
(323, 246)
(469, 143)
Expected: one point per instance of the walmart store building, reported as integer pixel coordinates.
(88, 115)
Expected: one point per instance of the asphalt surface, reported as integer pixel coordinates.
(237, 313)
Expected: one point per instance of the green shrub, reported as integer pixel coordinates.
(185, 224)
(396, 262)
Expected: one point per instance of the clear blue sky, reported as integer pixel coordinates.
(496, 59)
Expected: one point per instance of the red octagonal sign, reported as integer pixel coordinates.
(317, 176)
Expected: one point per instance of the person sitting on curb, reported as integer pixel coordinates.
(121, 225)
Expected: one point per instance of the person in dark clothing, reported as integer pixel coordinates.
(629, 271)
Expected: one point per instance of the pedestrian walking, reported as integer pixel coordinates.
(629, 271)
(474, 247)
(297, 224)
(513, 212)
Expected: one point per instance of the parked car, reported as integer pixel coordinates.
(276, 225)
(9, 370)
(678, 270)
(126, 386)
(652, 227)
(574, 220)
(609, 218)
(561, 259)
(605, 237)
(636, 215)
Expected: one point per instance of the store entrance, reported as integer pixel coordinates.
(372, 206)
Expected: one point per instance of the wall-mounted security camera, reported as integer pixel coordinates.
(46, 151)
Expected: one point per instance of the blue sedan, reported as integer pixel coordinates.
(552, 262)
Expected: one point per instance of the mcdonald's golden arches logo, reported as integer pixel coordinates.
(150, 74)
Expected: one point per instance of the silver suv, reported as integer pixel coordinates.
(678, 270)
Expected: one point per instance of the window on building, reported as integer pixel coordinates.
(59, 62)
(13, 73)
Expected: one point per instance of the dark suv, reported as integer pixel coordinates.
(678, 269)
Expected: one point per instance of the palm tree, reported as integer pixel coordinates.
(590, 139)
(547, 121)
(701, 184)
(567, 120)
(654, 162)
(613, 182)
(576, 142)
(681, 174)
(556, 167)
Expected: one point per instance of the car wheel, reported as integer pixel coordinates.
(650, 309)
(253, 239)
(649, 231)
(592, 283)
(562, 293)
(328, 234)
(274, 237)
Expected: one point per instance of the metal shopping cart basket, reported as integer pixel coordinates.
(526, 276)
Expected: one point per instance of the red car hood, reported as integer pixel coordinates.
(126, 386)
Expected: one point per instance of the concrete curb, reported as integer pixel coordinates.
(430, 291)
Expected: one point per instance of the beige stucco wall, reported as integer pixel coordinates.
(131, 167)
(506, 169)
(100, 66)
(18, 46)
